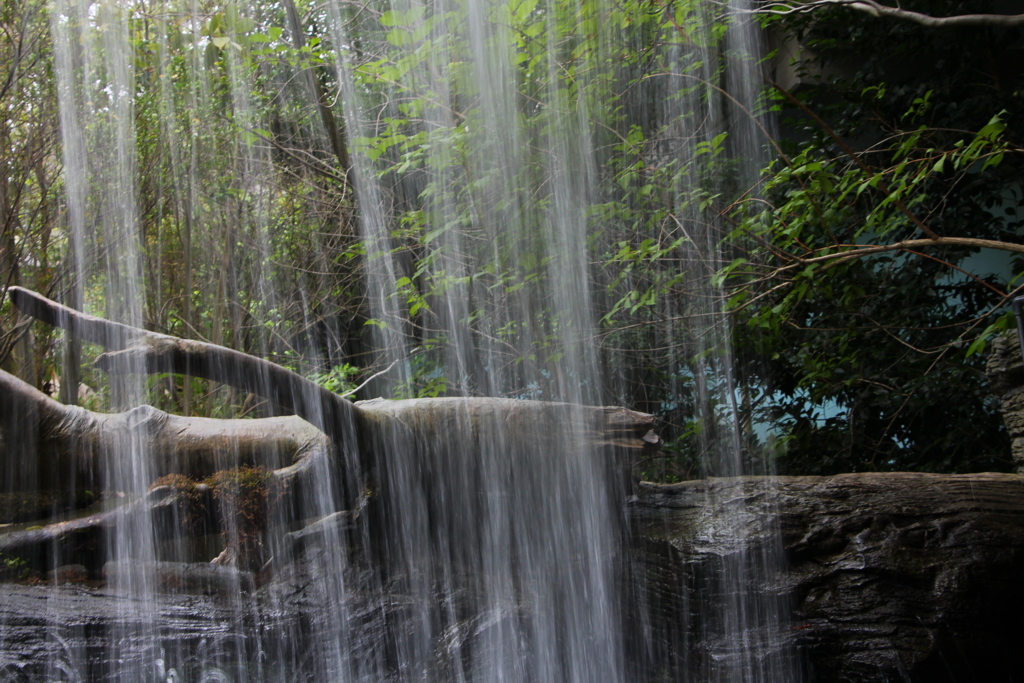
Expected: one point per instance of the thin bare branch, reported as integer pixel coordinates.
(877, 9)
(907, 245)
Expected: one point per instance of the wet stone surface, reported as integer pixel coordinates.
(887, 577)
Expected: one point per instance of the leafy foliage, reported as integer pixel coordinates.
(560, 192)
(873, 362)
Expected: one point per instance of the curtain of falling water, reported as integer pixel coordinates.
(97, 89)
(743, 621)
(502, 554)
(488, 210)
(506, 551)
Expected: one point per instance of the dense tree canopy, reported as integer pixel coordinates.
(904, 137)
(351, 189)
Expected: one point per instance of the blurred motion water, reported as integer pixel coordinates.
(487, 547)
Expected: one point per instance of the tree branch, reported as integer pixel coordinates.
(879, 10)
(859, 251)
(63, 447)
(132, 350)
(852, 252)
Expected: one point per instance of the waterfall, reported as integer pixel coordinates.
(530, 215)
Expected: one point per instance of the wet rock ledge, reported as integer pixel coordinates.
(887, 577)
(884, 577)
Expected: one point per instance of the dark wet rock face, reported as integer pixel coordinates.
(889, 577)
(1005, 372)
(63, 633)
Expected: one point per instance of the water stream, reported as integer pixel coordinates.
(499, 153)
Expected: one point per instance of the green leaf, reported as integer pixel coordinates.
(399, 37)
(993, 160)
(978, 346)
(432, 235)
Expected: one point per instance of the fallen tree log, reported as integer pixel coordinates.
(329, 444)
(358, 431)
(65, 448)
(132, 350)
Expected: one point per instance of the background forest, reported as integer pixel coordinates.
(735, 289)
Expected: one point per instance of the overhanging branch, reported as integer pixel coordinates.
(877, 9)
(67, 447)
(859, 251)
(132, 350)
